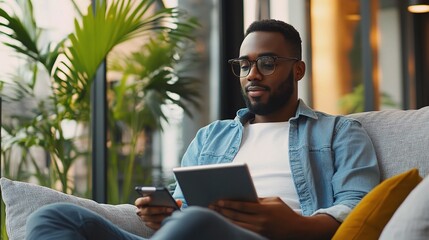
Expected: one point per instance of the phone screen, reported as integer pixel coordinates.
(160, 196)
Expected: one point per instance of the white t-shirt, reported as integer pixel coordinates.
(265, 149)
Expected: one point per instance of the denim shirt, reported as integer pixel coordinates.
(332, 159)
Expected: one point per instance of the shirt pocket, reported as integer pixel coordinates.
(214, 157)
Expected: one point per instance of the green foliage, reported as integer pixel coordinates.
(3, 233)
(41, 126)
(355, 101)
(96, 35)
(152, 78)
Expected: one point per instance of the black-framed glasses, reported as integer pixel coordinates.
(266, 65)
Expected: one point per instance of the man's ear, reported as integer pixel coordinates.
(299, 70)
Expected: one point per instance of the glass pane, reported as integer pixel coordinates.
(390, 73)
(336, 56)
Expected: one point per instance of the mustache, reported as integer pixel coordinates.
(256, 86)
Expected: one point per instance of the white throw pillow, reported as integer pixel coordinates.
(21, 199)
(411, 219)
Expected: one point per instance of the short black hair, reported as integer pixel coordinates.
(290, 34)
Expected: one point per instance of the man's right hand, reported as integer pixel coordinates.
(150, 215)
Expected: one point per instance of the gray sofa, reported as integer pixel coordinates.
(401, 140)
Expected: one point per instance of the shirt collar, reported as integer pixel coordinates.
(244, 115)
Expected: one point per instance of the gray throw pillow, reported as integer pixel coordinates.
(21, 199)
(411, 219)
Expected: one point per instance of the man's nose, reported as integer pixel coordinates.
(254, 73)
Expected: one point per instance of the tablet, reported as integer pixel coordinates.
(205, 184)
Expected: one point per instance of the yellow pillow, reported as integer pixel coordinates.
(369, 217)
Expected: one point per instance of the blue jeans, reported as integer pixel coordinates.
(67, 221)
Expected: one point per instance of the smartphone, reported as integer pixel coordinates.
(160, 196)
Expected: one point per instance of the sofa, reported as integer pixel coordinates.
(401, 141)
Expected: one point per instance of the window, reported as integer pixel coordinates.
(356, 60)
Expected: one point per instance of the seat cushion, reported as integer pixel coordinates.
(21, 199)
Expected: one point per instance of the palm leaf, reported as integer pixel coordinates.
(95, 36)
(19, 33)
(160, 82)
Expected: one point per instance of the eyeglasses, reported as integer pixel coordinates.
(266, 65)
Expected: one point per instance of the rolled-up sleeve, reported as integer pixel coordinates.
(356, 165)
(339, 212)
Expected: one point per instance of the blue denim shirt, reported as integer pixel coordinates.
(332, 158)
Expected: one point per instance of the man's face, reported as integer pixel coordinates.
(267, 94)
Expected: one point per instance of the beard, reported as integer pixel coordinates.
(276, 100)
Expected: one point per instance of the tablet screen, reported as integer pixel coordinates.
(205, 184)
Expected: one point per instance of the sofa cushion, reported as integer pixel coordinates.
(368, 218)
(411, 220)
(21, 199)
(400, 138)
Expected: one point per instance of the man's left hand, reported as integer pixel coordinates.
(269, 217)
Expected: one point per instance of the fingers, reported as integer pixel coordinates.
(152, 216)
(154, 226)
(236, 211)
(251, 227)
(246, 207)
(140, 211)
(179, 203)
(142, 201)
(232, 214)
(153, 219)
(143, 208)
(250, 221)
(268, 200)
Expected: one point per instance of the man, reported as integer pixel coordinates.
(309, 169)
